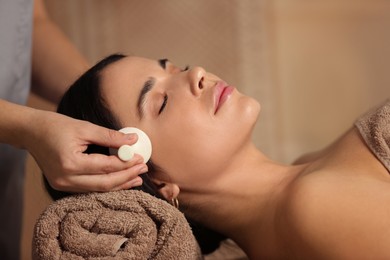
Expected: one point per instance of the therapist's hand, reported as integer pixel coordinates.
(57, 143)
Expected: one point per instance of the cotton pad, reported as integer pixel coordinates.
(126, 152)
(143, 146)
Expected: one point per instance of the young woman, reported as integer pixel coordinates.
(331, 204)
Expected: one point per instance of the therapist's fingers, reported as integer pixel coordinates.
(137, 181)
(120, 180)
(98, 172)
(109, 138)
(103, 164)
(124, 179)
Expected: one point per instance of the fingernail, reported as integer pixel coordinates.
(131, 136)
(136, 182)
(138, 159)
(143, 169)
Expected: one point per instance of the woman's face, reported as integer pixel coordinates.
(196, 122)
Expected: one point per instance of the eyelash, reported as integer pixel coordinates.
(166, 96)
(163, 104)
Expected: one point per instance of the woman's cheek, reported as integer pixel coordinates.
(196, 144)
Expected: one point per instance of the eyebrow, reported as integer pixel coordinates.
(146, 88)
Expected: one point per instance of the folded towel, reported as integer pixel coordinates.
(374, 127)
(114, 225)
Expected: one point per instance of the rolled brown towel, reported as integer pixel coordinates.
(374, 127)
(115, 225)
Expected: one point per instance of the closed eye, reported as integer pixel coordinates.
(166, 96)
(163, 104)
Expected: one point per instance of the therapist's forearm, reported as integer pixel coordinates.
(56, 63)
(14, 123)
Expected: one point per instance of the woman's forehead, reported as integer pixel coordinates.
(121, 83)
(127, 71)
(131, 64)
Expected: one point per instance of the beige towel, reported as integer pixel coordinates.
(115, 225)
(374, 127)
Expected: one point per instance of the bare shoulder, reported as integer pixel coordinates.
(332, 216)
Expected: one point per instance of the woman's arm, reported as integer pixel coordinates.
(56, 62)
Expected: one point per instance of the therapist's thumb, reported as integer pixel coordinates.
(112, 138)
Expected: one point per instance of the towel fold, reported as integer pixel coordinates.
(374, 127)
(115, 225)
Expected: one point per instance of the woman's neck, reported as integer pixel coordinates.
(243, 202)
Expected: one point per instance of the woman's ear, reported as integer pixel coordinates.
(167, 189)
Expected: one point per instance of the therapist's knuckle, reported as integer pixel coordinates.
(106, 184)
(59, 184)
(112, 134)
(109, 165)
(68, 165)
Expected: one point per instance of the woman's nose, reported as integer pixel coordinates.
(196, 76)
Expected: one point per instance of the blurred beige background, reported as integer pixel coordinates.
(314, 65)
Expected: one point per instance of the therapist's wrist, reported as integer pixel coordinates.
(15, 123)
(30, 126)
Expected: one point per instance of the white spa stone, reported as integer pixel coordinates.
(143, 146)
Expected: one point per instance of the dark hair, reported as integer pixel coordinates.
(84, 101)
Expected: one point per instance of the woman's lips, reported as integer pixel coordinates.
(222, 93)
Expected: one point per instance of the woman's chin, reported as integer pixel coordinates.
(251, 110)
